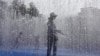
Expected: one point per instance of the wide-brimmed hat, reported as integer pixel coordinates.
(52, 14)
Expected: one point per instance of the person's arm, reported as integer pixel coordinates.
(59, 31)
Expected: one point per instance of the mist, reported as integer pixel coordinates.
(77, 19)
(61, 7)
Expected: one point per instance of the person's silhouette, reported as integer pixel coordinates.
(17, 40)
(52, 35)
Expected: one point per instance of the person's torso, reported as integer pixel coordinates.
(51, 28)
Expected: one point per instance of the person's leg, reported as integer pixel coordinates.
(54, 48)
(49, 47)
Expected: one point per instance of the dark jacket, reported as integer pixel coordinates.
(51, 30)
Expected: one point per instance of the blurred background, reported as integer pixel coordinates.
(79, 20)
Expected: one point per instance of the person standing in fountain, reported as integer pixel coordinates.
(52, 35)
(16, 45)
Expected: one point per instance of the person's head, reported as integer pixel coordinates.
(52, 16)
